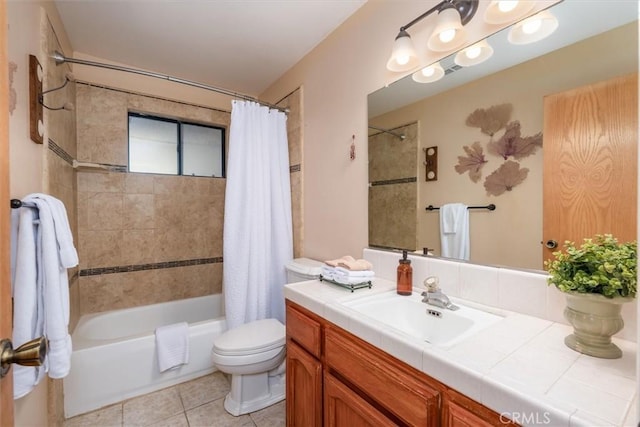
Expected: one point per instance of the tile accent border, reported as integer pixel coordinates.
(394, 181)
(59, 151)
(153, 266)
(294, 168)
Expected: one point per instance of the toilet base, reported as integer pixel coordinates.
(251, 393)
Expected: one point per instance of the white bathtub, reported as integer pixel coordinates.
(114, 352)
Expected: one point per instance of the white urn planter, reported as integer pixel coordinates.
(595, 319)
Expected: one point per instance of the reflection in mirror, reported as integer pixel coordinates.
(595, 41)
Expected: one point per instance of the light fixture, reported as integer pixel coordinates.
(504, 11)
(403, 55)
(430, 74)
(533, 29)
(474, 54)
(448, 33)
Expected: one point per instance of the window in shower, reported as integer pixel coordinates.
(174, 147)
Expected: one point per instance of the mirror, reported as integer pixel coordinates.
(595, 41)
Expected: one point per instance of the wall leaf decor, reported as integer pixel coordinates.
(507, 176)
(472, 162)
(490, 120)
(514, 145)
(510, 145)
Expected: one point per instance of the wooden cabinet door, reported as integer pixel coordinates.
(343, 407)
(590, 162)
(304, 388)
(457, 416)
(398, 388)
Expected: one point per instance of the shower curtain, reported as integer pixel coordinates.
(258, 237)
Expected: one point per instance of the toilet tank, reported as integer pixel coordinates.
(301, 269)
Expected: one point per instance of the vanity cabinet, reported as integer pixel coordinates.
(336, 379)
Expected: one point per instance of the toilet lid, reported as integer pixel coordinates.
(252, 337)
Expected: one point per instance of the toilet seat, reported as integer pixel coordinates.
(260, 336)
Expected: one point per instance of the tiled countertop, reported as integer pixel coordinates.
(518, 367)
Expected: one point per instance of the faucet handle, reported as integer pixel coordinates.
(431, 283)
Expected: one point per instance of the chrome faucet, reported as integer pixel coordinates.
(434, 296)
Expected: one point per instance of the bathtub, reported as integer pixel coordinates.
(114, 352)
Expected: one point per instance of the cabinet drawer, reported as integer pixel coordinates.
(397, 388)
(304, 329)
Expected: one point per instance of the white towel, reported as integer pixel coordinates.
(340, 271)
(454, 231)
(327, 272)
(43, 252)
(172, 345)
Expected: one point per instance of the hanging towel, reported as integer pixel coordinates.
(172, 345)
(43, 251)
(454, 231)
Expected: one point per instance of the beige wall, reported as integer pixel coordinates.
(337, 76)
(511, 234)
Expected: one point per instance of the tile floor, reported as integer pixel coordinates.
(197, 403)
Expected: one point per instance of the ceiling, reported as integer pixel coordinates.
(239, 45)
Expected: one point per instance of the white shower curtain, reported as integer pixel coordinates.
(258, 239)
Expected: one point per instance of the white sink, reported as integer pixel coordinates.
(408, 314)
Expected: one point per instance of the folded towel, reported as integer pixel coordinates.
(335, 262)
(356, 265)
(327, 272)
(340, 271)
(172, 345)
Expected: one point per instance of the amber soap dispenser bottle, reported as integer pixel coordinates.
(405, 276)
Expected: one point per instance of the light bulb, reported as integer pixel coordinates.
(428, 72)
(402, 59)
(473, 52)
(507, 5)
(447, 35)
(531, 26)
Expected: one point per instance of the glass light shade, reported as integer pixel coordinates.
(474, 54)
(505, 11)
(403, 56)
(533, 29)
(430, 74)
(448, 33)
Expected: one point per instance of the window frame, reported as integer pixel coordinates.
(180, 143)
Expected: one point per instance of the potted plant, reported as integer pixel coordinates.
(597, 278)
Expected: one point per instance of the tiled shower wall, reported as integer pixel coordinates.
(146, 238)
(59, 176)
(393, 188)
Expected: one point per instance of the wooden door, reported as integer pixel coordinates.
(344, 408)
(590, 162)
(6, 383)
(304, 388)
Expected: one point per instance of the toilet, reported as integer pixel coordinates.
(254, 353)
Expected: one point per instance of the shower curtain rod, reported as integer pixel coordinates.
(60, 59)
(397, 135)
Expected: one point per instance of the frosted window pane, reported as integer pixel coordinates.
(153, 146)
(201, 151)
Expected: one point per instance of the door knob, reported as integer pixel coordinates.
(551, 244)
(31, 353)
